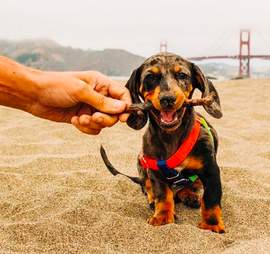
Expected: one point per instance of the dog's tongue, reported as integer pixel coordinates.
(167, 116)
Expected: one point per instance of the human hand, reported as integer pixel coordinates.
(89, 100)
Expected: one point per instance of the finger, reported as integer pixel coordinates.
(104, 120)
(123, 117)
(82, 128)
(89, 122)
(123, 94)
(115, 89)
(85, 119)
(101, 102)
(97, 121)
(119, 92)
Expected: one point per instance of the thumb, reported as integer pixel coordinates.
(100, 102)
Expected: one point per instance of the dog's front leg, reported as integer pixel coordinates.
(210, 206)
(164, 204)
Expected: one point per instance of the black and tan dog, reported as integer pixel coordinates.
(179, 146)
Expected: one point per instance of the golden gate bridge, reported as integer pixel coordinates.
(243, 57)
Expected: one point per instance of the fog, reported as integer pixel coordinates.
(191, 28)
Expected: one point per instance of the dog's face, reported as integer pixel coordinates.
(167, 80)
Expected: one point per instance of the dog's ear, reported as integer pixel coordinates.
(136, 120)
(207, 87)
(133, 85)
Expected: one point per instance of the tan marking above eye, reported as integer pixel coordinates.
(177, 68)
(155, 70)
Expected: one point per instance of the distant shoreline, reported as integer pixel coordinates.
(123, 78)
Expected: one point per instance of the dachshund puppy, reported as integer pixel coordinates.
(179, 146)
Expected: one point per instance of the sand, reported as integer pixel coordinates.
(57, 197)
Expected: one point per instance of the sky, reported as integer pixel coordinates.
(190, 27)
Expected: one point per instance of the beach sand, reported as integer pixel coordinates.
(56, 196)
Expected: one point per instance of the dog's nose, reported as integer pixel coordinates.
(167, 101)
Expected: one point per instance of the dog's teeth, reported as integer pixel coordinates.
(165, 122)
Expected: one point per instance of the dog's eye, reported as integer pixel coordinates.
(181, 76)
(151, 81)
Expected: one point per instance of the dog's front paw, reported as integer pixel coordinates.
(161, 219)
(219, 228)
(212, 219)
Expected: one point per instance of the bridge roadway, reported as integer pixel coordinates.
(201, 58)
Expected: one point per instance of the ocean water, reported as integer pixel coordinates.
(119, 77)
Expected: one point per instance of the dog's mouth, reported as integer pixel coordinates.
(169, 119)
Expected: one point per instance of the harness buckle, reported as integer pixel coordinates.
(180, 184)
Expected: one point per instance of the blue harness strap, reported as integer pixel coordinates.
(175, 178)
(167, 172)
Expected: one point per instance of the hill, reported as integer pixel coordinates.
(49, 55)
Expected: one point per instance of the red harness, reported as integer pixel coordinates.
(179, 156)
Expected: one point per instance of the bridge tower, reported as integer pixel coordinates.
(163, 47)
(244, 53)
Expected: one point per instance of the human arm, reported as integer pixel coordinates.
(88, 100)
